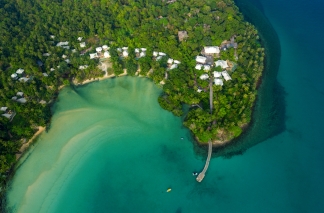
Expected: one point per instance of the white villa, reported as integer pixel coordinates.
(45, 74)
(93, 55)
(14, 75)
(176, 62)
(204, 76)
(19, 94)
(80, 39)
(198, 67)
(52, 69)
(142, 54)
(20, 71)
(201, 59)
(217, 74)
(226, 76)
(218, 81)
(206, 67)
(162, 54)
(64, 56)
(3, 109)
(99, 49)
(46, 54)
(125, 53)
(82, 67)
(105, 47)
(174, 66)
(223, 64)
(211, 50)
(106, 54)
(23, 79)
(83, 44)
(62, 43)
(199, 90)
(22, 100)
(170, 61)
(155, 54)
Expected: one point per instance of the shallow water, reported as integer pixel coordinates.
(127, 151)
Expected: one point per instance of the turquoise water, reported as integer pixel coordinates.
(112, 149)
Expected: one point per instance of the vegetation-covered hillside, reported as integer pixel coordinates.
(30, 31)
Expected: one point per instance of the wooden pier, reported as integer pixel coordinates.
(201, 175)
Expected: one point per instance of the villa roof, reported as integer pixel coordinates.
(155, 53)
(170, 61)
(52, 69)
(22, 100)
(226, 76)
(201, 59)
(125, 53)
(176, 62)
(158, 58)
(42, 102)
(14, 75)
(137, 50)
(173, 66)
(204, 77)
(82, 44)
(20, 71)
(20, 94)
(67, 60)
(45, 74)
(4, 109)
(62, 43)
(24, 79)
(217, 74)
(105, 47)
(106, 54)
(162, 54)
(99, 49)
(142, 54)
(143, 49)
(80, 39)
(198, 66)
(64, 56)
(199, 90)
(206, 67)
(14, 98)
(211, 49)
(46, 54)
(125, 48)
(218, 81)
(7, 115)
(66, 47)
(93, 55)
(221, 63)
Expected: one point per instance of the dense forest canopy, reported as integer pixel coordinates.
(31, 28)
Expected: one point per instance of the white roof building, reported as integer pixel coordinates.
(125, 48)
(22, 100)
(198, 67)
(66, 47)
(64, 56)
(62, 43)
(52, 36)
(217, 74)
(67, 61)
(211, 49)
(14, 98)
(42, 102)
(105, 47)
(20, 71)
(223, 64)
(93, 55)
(7, 115)
(199, 90)
(218, 81)
(155, 54)
(45, 74)
(176, 62)
(83, 44)
(158, 58)
(119, 49)
(125, 53)
(162, 54)
(174, 66)
(137, 50)
(204, 77)
(106, 54)
(74, 50)
(226, 76)
(201, 59)
(99, 49)
(80, 39)
(3, 109)
(142, 54)
(23, 79)
(46, 54)
(52, 69)
(19, 94)
(14, 75)
(143, 49)
(170, 61)
(206, 67)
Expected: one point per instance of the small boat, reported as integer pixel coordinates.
(181, 138)
(169, 190)
(195, 173)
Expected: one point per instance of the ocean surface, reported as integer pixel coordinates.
(111, 148)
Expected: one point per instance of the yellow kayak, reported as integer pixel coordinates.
(169, 190)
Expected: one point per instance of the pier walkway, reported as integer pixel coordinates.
(201, 175)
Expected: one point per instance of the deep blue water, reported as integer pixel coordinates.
(284, 173)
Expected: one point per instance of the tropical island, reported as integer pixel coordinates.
(204, 56)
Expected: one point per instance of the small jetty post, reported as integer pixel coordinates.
(201, 175)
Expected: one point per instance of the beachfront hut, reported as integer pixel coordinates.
(82, 44)
(217, 74)
(20, 71)
(204, 77)
(218, 81)
(201, 59)
(106, 54)
(211, 50)
(173, 66)
(99, 49)
(226, 76)
(198, 67)
(3, 109)
(93, 55)
(206, 67)
(7, 115)
(223, 64)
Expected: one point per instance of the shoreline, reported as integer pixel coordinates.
(24, 147)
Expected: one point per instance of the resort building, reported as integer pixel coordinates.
(155, 54)
(93, 55)
(80, 39)
(223, 64)
(210, 50)
(83, 44)
(204, 76)
(218, 81)
(201, 59)
(106, 54)
(62, 43)
(170, 61)
(64, 56)
(42, 102)
(45, 74)
(14, 76)
(206, 67)
(52, 69)
(217, 74)
(23, 79)
(46, 54)
(162, 54)
(20, 71)
(173, 66)
(99, 49)
(226, 76)
(105, 47)
(198, 67)
(199, 90)
(22, 100)
(20, 94)
(4, 109)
